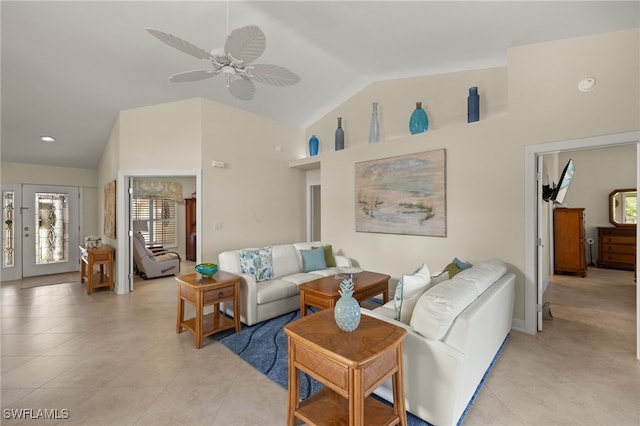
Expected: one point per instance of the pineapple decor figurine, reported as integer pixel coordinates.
(347, 310)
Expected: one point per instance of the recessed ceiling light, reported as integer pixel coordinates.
(47, 139)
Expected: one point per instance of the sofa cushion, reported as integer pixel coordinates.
(285, 260)
(301, 278)
(409, 289)
(257, 262)
(484, 274)
(313, 260)
(439, 306)
(329, 258)
(272, 290)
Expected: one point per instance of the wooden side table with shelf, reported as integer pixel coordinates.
(350, 365)
(201, 291)
(100, 256)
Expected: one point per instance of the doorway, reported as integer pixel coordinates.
(315, 219)
(40, 230)
(124, 220)
(532, 201)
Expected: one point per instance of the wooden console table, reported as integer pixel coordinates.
(100, 256)
(351, 365)
(200, 292)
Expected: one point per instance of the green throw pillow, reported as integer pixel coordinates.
(453, 269)
(328, 256)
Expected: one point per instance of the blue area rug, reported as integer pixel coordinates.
(264, 347)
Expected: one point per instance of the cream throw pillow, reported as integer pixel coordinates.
(408, 291)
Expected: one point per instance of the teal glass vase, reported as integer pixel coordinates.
(419, 122)
(347, 309)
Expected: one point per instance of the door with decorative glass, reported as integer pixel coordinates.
(11, 237)
(49, 229)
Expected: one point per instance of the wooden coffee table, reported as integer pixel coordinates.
(323, 292)
(351, 365)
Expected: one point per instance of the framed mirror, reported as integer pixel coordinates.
(623, 207)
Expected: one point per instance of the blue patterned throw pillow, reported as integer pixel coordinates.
(257, 262)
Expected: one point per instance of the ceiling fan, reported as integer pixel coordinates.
(234, 61)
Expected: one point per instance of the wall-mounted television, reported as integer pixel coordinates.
(556, 194)
(560, 191)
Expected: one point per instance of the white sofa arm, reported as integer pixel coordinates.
(431, 370)
(229, 261)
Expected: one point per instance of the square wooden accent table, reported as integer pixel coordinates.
(323, 292)
(351, 365)
(99, 256)
(202, 291)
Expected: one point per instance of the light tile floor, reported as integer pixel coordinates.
(116, 360)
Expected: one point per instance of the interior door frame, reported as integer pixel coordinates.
(124, 252)
(531, 153)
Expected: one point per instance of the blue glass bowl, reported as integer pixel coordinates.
(207, 269)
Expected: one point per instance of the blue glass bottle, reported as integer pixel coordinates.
(313, 146)
(473, 105)
(418, 123)
(339, 136)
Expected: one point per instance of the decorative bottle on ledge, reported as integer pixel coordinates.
(473, 105)
(339, 136)
(418, 122)
(374, 129)
(314, 143)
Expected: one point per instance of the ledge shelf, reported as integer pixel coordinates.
(307, 163)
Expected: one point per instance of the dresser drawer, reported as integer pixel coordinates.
(618, 258)
(618, 248)
(619, 239)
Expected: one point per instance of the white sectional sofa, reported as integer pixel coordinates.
(456, 328)
(269, 298)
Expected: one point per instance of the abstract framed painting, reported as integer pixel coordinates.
(402, 195)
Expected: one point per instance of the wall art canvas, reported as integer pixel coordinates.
(402, 195)
(110, 209)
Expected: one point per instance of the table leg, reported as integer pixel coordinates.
(199, 308)
(180, 313)
(356, 402)
(303, 306)
(236, 306)
(294, 383)
(89, 277)
(398, 390)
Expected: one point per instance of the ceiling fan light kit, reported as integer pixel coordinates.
(243, 46)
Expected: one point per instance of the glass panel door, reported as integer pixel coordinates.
(50, 230)
(11, 236)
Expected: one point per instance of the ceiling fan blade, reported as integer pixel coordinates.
(194, 75)
(242, 88)
(180, 44)
(272, 74)
(246, 44)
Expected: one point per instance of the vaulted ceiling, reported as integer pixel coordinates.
(69, 67)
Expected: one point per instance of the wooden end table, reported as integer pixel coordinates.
(202, 291)
(351, 365)
(323, 292)
(99, 256)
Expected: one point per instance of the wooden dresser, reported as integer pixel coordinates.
(568, 237)
(190, 227)
(617, 247)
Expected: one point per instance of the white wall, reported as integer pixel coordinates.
(485, 169)
(86, 179)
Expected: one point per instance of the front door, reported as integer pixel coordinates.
(49, 229)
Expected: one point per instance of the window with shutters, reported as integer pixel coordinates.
(160, 214)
